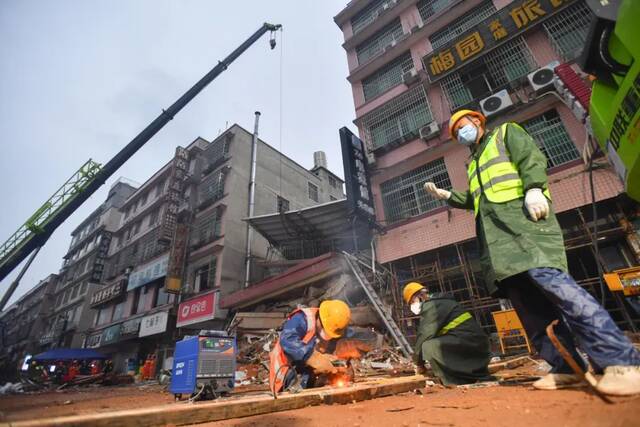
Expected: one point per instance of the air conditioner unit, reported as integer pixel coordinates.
(495, 103)
(543, 78)
(410, 77)
(429, 131)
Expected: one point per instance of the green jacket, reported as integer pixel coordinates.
(461, 355)
(509, 241)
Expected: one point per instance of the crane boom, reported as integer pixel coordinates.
(35, 232)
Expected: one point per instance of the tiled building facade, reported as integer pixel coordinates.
(412, 64)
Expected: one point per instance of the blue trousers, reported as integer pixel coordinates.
(541, 295)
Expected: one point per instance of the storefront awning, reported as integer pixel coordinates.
(312, 231)
(70, 354)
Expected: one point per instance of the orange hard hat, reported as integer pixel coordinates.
(410, 290)
(460, 114)
(335, 316)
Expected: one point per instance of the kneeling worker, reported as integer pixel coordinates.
(295, 352)
(448, 337)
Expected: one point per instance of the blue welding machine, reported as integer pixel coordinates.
(204, 366)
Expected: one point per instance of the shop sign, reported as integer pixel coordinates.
(107, 293)
(153, 324)
(175, 193)
(148, 273)
(356, 176)
(173, 282)
(130, 328)
(502, 26)
(93, 341)
(111, 334)
(196, 310)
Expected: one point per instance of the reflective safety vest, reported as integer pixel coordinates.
(455, 323)
(278, 360)
(493, 173)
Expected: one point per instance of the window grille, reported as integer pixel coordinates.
(207, 228)
(386, 77)
(403, 196)
(212, 188)
(367, 15)
(567, 30)
(398, 120)
(313, 192)
(462, 24)
(428, 8)
(489, 74)
(332, 182)
(552, 138)
(282, 204)
(216, 153)
(374, 45)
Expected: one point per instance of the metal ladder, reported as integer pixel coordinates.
(391, 324)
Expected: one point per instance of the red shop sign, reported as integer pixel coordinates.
(196, 310)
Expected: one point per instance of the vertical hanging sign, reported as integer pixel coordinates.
(179, 170)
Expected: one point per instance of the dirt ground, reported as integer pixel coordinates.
(495, 406)
(512, 405)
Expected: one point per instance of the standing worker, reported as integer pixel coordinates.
(523, 258)
(448, 337)
(295, 354)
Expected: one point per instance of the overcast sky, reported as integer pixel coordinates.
(79, 79)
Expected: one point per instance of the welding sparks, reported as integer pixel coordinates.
(340, 383)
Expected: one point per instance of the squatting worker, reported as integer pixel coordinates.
(523, 258)
(448, 337)
(295, 358)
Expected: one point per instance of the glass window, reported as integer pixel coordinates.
(459, 26)
(74, 293)
(282, 204)
(212, 187)
(367, 15)
(142, 300)
(403, 196)
(398, 120)
(333, 182)
(143, 198)
(162, 297)
(153, 217)
(567, 31)
(118, 311)
(428, 8)
(377, 43)
(313, 192)
(205, 276)
(390, 75)
(488, 74)
(553, 139)
(160, 188)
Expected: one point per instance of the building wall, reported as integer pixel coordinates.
(442, 226)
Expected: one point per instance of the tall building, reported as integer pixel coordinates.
(23, 323)
(411, 64)
(185, 229)
(82, 271)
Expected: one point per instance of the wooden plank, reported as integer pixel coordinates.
(185, 413)
(508, 364)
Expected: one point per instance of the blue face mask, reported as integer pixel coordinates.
(467, 135)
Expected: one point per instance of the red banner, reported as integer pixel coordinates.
(196, 310)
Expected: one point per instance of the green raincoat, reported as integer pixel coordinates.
(459, 356)
(509, 241)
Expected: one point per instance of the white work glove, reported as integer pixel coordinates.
(536, 204)
(436, 193)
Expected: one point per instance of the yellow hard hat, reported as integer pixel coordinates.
(335, 316)
(460, 114)
(410, 290)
